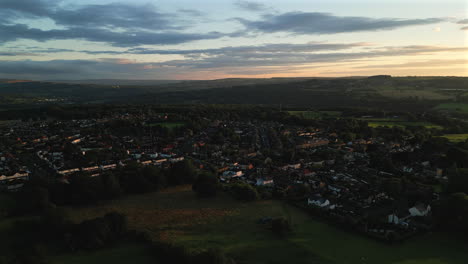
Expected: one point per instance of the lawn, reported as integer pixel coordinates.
(454, 107)
(315, 114)
(119, 254)
(177, 215)
(456, 137)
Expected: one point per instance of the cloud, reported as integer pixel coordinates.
(325, 23)
(418, 64)
(27, 8)
(464, 21)
(251, 5)
(117, 15)
(437, 29)
(464, 28)
(117, 24)
(191, 12)
(271, 49)
(22, 31)
(279, 59)
(13, 54)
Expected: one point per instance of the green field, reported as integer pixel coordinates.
(456, 137)
(177, 215)
(413, 93)
(169, 125)
(402, 124)
(453, 107)
(120, 254)
(315, 114)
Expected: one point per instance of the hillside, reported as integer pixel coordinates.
(316, 92)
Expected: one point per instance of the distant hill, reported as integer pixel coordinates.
(314, 92)
(117, 82)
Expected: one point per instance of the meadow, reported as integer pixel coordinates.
(169, 125)
(178, 216)
(402, 124)
(453, 107)
(123, 253)
(456, 137)
(315, 114)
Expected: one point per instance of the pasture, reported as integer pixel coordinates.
(177, 215)
(315, 114)
(453, 107)
(456, 137)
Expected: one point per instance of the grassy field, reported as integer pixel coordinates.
(177, 215)
(402, 124)
(169, 125)
(453, 107)
(315, 114)
(456, 137)
(407, 93)
(119, 254)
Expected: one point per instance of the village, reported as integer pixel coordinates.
(314, 168)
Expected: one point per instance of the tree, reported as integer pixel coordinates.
(155, 176)
(110, 186)
(205, 185)
(243, 192)
(182, 173)
(280, 226)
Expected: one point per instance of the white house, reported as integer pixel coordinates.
(420, 210)
(318, 201)
(264, 182)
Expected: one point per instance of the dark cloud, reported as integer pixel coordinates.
(324, 23)
(117, 15)
(117, 24)
(22, 31)
(13, 54)
(268, 49)
(250, 5)
(250, 50)
(26, 8)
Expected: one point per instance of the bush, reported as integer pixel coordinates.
(243, 192)
(280, 226)
(205, 185)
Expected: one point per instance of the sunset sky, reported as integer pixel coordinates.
(210, 39)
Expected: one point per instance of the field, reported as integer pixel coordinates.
(456, 137)
(169, 125)
(177, 215)
(402, 124)
(420, 94)
(453, 107)
(315, 114)
(120, 254)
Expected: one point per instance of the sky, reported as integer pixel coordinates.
(213, 39)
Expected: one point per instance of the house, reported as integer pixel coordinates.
(264, 182)
(398, 218)
(420, 210)
(318, 201)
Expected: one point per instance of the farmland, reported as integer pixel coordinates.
(453, 107)
(176, 215)
(168, 125)
(315, 114)
(402, 124)
(456, 137)
(119, 254)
